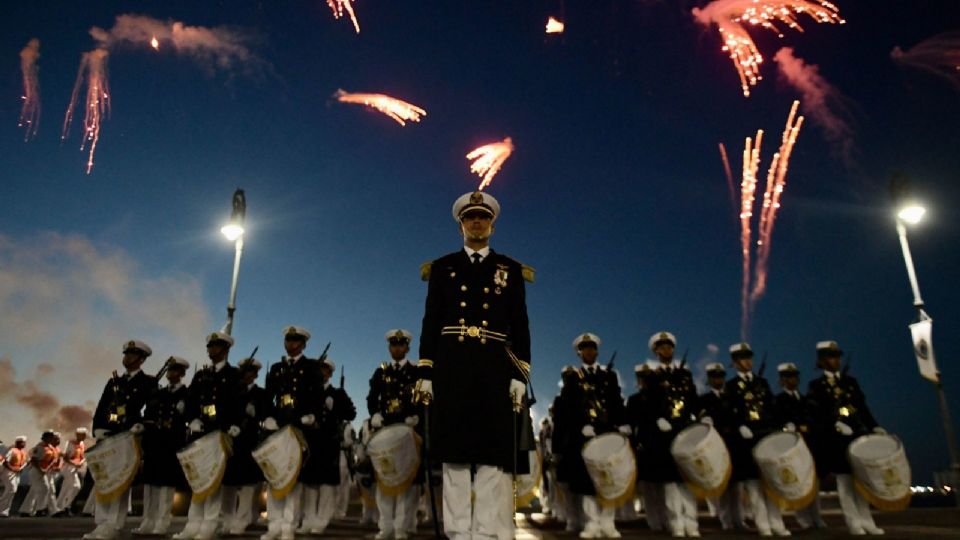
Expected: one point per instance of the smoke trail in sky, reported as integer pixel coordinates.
(939, 55)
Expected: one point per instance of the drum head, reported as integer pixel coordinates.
(691, 437)
(776, 444)
(874, 447)
(388, 436)
(599, 448)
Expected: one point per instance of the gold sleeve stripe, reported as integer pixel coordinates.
(523, 367)
(425, 363)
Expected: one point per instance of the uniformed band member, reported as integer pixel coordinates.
(41, 500)
(753, 415)
(476, 304)
(120, 409)
(840, 415)
(548, 481)
(166, 432)
(569, 507)
(74, 469)
(243, 476)
(293, 388)
(654, 510)
(390, 401)
(671, 408)
(713, 410)
(14, 460)
(213, 404)
(793, 414)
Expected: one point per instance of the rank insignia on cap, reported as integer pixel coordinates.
(476, 198)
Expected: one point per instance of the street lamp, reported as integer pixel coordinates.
(911, 213)
(234, 233)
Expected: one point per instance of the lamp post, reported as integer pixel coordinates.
(234, 232)
(911, 213)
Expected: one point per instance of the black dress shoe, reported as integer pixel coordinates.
(40, 513)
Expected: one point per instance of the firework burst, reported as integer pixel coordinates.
(554, 26)
(733, 17)
(401, 111)
(30, 108)
(339, 7)
(96, 101)
(488, 159)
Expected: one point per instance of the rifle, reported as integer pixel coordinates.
(610, 363)
(683, 361)
(323, 355)
(763, 364)
(254, 353)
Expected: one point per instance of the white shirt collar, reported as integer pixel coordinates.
(592, 367)
(172, 387)
(399, 364)
(251, 385)
(482, 251)
(219, 365)
(656, 364)
(294, 359)
(132, 374)
(832, 374)
(745, 375)
(326, 385)
(715, 391)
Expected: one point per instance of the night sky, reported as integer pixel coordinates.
(615, 192)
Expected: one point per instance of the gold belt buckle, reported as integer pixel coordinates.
(209, 410)
(286, 400)
(113, 418)
(844, 411)
(754, 415)
(393, 406)
(473, 331)
(121, 410)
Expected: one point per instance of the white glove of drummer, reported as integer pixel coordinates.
(328, 403)
(251, 410)
(376, 421)
(308, 419)
(588, 431)
(790, 427)
(412, 421)
(100, 433)
(879, 430)
(517, 389)
(625, 430)
(745, 432)
(707, 420)
(233, 431)
(137, 428)
(664, 425)
(270, 424)
(181, 406)
(196, 426)
(843, 429)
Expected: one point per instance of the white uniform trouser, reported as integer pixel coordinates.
(856, 510)
(157, 504)
(204, 517)
(343, 490)
(726, 506)
(319, 506)
(282, 513)
(395, 510)
(483, 519)
(653, 506)
(681, 508)
(10, 481)
(111, 515)
(766, 512)
(43, 492)
(238, 504)
(809, 517)
(70, 486)
(598, 518)
(571, 507)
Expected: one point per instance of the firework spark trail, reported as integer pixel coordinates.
(96, 102)
(939, 55)
(554, 26)
(30, 108)
(401, 111)
(488, 159)
(340, 6)
(729, 174)
(748, 188)
(733, 17)
(776, 181)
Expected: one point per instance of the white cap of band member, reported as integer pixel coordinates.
(661, 336)
(787, 367)
(715, 367)
(742, 348)
(137, 345)
(398, 334)
(296, 331)
(20, 438)
(331, 363)
(828, 346)
(475, 200)
(220, 336)
(81, 431)
(180, 361)
(586, 337)
(249, 363)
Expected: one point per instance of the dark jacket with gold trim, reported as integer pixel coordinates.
(165, 434)
(122, 401)
(293, 390)
(832, 400)
(391, 392)
(214, 398)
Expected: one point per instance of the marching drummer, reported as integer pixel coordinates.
(569, 508)
(390, 401)
(476, 304)
(714, 410)
(651, 492)
(74, 467)
(753, 415)
(595, 405)
(671, 408)
(119, 409)
(793, 414)
(166, 433)
(14, 460)
(243, 476)
(840, 414)
(213, 404)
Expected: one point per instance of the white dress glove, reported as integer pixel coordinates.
(588, 431)
(251, 410)
(181, 406)
(411, 421)
(707, 420)
(308, 419)
(233, 431)
(746, 433)
(625, 430)
(790, 427)
(99, 433)
(664, 425)
(328, 403)
(270, 424)
(137, 428)
(517, 389)
(196, 426)
(376, 421)
(879, 430)
(843, 429)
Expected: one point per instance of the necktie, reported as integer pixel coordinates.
(476, 258)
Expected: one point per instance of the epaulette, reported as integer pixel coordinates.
(528, 272)
(384, 366)
(425, 270)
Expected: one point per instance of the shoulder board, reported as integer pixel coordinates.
(528, 272)
(425, 270)
(384, 366)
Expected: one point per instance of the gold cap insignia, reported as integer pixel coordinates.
(476, 198)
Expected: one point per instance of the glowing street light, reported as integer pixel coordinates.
(911, 213)
(234, 233)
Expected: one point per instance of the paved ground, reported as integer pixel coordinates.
(912, 524)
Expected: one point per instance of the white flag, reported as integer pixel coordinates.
(922, 332)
